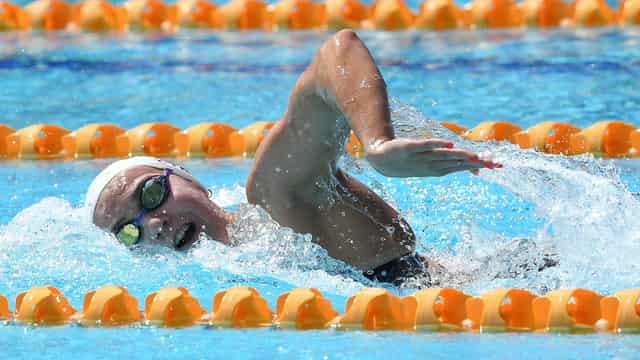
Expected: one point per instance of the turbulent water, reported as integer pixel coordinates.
(488, 231)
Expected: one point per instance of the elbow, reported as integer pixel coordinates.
(340, 44)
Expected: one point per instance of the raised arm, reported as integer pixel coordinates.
(295, 176)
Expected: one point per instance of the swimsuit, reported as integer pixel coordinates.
(409, 269)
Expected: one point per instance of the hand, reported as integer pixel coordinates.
(422, 158)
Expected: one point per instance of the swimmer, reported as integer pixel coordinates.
(295, 176)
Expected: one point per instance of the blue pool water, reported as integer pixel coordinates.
(584, 208)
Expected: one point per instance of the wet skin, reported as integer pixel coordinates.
(295, 177)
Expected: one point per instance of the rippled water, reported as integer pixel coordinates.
(583, 209)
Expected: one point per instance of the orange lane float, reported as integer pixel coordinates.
(304, 309)
(151, 139)
(543, 13)
(13, 17)
(5, 131)
(493, 131)
(605, 138)
(591, 13)
(377, 309)
(501, 310)
(43, 306)
(440, 309)
(635, 143)
(298, 15)
(197, 14)
(98, 16)
(249, 138)
(493, 14)
(629, 12)
(4, 308)
(455, 128)
(36, 142)
(343, 14)
(245, 15)
(93, 141)
(550, 137)
(390, 15)
(172, 307)
(567, 310)
(353, 145)
(240, 307)
(211, 140)
(439, 15)
(109, 306)
(620, 312)
(49, 15)
(148, 15)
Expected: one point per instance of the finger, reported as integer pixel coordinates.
(455, 165)
(449, 154)
(457, 168)
(429, 145)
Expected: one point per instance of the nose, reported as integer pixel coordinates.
(158, 230)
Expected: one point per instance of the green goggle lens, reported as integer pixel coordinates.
(153, 193)
(129, 235)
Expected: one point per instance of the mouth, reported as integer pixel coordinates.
(185, 237)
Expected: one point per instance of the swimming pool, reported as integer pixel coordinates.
(587, 208)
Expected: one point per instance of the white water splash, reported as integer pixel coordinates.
(589, 220)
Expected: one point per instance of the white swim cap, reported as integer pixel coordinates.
(101, 181)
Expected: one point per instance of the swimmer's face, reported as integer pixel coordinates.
(176, 223)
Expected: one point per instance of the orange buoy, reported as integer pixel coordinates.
(591, 13)
(49, 15)
(197, 14)
(304, 309)
(98, 16)
(36, 142)
(543, 13)
(629, 12)
(604, 138)
(439, 15)
(109, 306)
(621, 312)
(172, 307)
(4, 308)
(211, 140)
(298, 15)
(440, 309)
(353, 145)
(345, 14)
(455, 128)
(567, 310)
(501, 310)
(635, 143)
(148, 15)
(13, 17)
(240, 307)
(377, 309)
(5, 131)
(245, 15)
(550, 137)
(249, 138)
(494, 14)
(151, 139)
(493, 131)
(390, 15)
(93, 141)
(43, 306)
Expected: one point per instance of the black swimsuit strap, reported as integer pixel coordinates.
(409, 268)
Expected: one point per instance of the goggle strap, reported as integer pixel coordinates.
(138, 218)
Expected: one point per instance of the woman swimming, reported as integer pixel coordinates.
(295, 176)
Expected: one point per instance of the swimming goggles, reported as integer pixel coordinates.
(153, 194)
